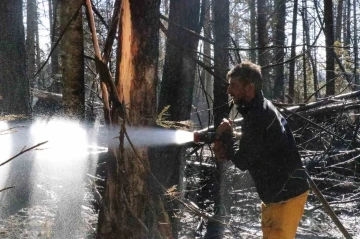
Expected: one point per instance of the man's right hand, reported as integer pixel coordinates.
(224, 129)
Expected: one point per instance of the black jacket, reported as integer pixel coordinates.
(268, 150)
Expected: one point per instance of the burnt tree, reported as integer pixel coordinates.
(130, 209)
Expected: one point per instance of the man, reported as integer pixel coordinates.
(267, 150)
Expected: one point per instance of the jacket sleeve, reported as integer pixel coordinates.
(232, 144)
(250, 148)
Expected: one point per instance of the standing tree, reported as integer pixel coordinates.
(31, 32)
(262, 39)
(177, 86)
(179, 69)
(221, 28)
(329, 41)
(280, 9)
(54, 33)
(356, 47)
(14, 86)
(72, 60)
(292, 54)
(130, 209)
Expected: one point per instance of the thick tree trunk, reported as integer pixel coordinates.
(14, 86)
(73, 61)
(130, 209)
(179, 69)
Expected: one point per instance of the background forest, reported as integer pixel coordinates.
(162, 64)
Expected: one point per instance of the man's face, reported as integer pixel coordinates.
(237, 91)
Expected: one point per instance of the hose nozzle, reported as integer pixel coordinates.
(204, 136)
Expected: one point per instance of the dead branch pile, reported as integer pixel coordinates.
(327, 135)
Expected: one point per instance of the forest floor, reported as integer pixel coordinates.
(40, 221)
(244, 214)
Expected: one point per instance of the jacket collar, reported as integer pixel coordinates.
(257, 101)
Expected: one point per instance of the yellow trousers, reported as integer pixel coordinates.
(280, 220)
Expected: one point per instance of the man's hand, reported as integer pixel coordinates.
(224, 130)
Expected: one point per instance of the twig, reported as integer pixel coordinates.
(23, 151)
(1, 190)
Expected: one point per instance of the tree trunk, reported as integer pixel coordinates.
(252, 5)
(262, 36)
(130, 208)
(221, 110)
(339, 20)
(179, 69)
(72, 61)
(356, 47)
(31, 19)
(14, 86)
(54, 34)
(293, 54)
(280, 9)
(329, 41)
(177, 86)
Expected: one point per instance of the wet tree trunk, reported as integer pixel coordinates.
(130, 208)
(72, 60)
(14, 86)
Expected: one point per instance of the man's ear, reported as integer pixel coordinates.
(250, 87)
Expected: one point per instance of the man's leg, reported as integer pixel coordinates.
(280, 220)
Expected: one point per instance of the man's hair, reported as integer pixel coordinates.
(247, 72)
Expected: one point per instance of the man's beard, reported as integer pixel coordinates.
(240, 102)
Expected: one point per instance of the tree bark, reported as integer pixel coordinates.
(280, 9)
(31, 19)
(221, 30)
(179, 68)
(54, 34)
(14, 85)
(329, 41)
(131, 209)
(339, 21)
(262, 37)
(252, 5)
(293, 54)
(72, 61)
(356, 47)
